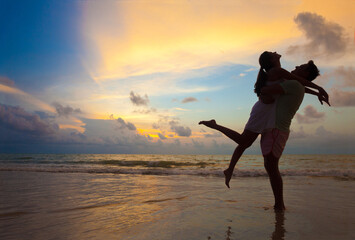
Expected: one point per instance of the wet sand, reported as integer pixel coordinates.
(39, 205)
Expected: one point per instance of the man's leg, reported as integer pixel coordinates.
(272, 145)
(279, 232)
(271, 164)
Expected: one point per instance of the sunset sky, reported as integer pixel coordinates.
(136, 76)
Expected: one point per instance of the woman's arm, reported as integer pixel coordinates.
(272, 90)
(267, 92)
(266, 99)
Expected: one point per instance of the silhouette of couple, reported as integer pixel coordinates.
(280, 94)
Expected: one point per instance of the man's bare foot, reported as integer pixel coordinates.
(227, 175)
(279, 208)
(211, 123)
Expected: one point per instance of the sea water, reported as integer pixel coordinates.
(342, 166)
(103, 196)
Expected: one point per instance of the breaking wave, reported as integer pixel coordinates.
(154, 170)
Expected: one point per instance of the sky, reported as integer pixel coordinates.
(136, 76)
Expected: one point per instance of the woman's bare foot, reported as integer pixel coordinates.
(211, 123)
(227, 175)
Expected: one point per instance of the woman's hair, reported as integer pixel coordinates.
(313, 71)
(265, 66)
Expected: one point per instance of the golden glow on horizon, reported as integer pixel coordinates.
(143, 131)
(153, 135)
(167, 134)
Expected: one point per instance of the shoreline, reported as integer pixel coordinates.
(40, 205)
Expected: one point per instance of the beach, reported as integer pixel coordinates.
(145, 202)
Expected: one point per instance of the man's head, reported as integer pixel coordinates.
(308, 71)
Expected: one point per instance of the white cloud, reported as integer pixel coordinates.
(182, 109)
(340, 98)
(250, 70)
(345, 75)
(311, 115)
(298, 134)
(321, 141)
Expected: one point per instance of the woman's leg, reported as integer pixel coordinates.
(249, 137)
(235, 136)
(244, 140)
(271, 164)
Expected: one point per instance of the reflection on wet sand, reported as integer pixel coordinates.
(279, 232)
(228, 234)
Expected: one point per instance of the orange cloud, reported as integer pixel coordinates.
(68, 126)
(127, 38)
(26, 97)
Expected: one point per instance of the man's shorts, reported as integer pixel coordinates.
(273, 141)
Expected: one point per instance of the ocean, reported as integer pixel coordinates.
(116, 196)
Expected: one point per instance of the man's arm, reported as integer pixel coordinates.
(320, 97)
(282, 73)
(310, 91)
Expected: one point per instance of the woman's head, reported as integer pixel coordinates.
(267, 60)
